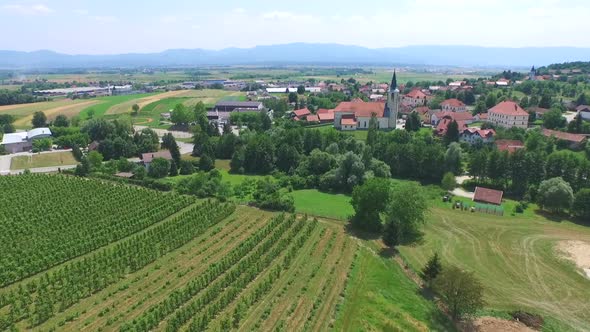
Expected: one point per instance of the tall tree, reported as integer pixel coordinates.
(453, 162)
(555, 195)
(461, 291)
(405, 214)
(432, 269)
(39, 120)
(452, 134)
(369, 202)
(61, 121)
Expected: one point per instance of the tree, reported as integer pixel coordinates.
(173, 168)
(452, 134)
(39, 120)
(581, 206)
(95, 160)
(186, 167)
(159, 168)
(180, 115)
(449, 182)
(61, 121)
(461, 291)
(268, 196)
(432, 269)
(582, 100)
(206, 163)
(369, 202)
(404, 215)
(554, 119)
(169, 142)
(287, 158)
(372, 133)
(413, 123)
(491, 100)
(555, 195)
(293, 97)
(42, 144)
(146, 140)
(135, 109)
(83, 168)
(453, 158)
(545, 101)
(98, 129)
(300, 89)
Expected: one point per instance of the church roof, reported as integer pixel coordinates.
(364, 109)
(393, 85)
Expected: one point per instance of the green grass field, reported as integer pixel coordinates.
(43, 160)
(316, 203)
(515, 258)
(107, 102)
(380, 297)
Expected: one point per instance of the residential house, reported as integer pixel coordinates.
(312, 118)
(584, 111)
(300, 114)
(476, 135)
(481, 117)
(539, 111)
(147, 158)
(489, 196)
(443, 125)
(23, 141)
(465, 117)
(508, 114)
(575, 141)
(453, 105)
(416, 97)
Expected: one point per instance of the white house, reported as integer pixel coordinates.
(453, 105)
(475, 135)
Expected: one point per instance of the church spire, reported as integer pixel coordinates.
(393, 82)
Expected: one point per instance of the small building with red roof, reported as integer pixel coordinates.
(301, 113)
(509, 145)
(453, 105)
(465, 117)
(489, 196)
(443, 126)
(508, 114)
(575, 140)
(312, 118)
(325, 115)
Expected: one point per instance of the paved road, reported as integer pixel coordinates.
(161, 132)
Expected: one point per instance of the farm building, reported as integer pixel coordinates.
(23, 141)
(230, 106)
(489, 196)
(147, 158)
(575, 141)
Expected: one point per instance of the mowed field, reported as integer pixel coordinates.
(208, 266)
(24, 112)
(517, 260)
(43, 160)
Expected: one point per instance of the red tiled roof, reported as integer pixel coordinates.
(483, 116)
(488, 195)
(324, 111)
(509, 145)
(508, 108)
(574, 138)
(148, 157)
(416, 94)
(364, 109)
(348, 122)
(329, 116)
(302, 112)
(422, 109)
(457, 116)
(357, 100)
(453, 102)
(313, 118)
(441, 128)
(481, 132)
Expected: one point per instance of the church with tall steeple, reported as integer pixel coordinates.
(354, 115)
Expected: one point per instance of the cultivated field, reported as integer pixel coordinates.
(24, 112)
(177, 264)
(517, 259)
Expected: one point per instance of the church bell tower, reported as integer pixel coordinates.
(392, 107)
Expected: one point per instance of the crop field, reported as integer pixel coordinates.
(24, 112)
(161, 262)
(517, 260)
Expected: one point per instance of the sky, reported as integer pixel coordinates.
(133, 26)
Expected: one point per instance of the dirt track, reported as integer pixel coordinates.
(578, 252)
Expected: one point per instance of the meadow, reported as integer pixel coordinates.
(43, 160)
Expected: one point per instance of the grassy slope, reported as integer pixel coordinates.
(316, 203)
(108, 102)
(514, 257)
(379, 297)
(43, 160)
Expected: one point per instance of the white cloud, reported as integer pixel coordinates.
(32, 9)
(281, 15)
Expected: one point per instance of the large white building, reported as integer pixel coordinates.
(357, 114)
(23, 141)
(508, 114)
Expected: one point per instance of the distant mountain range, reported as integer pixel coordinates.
(303, 53)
